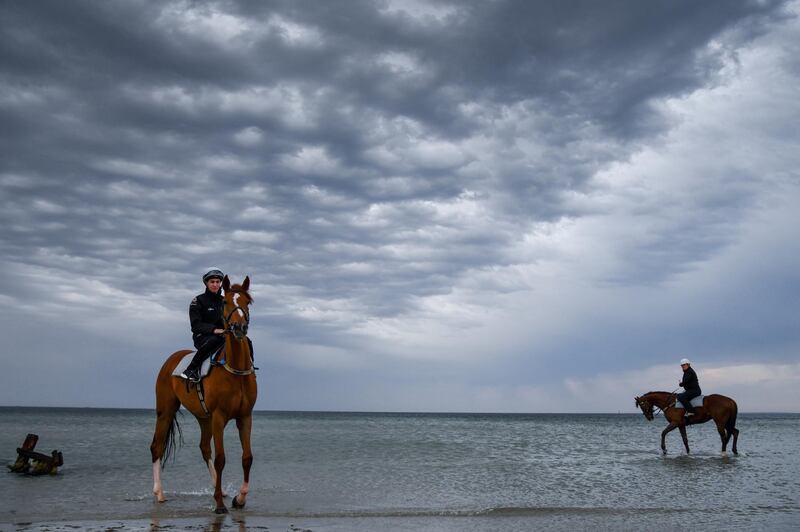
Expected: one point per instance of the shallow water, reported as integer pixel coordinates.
(343, 471)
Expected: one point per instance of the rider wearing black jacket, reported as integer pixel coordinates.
(691, 386)
(208, 326)
(205, 316)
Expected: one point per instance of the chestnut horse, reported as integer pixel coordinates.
(229, 393)
(721, 409)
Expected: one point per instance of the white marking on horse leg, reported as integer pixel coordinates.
(213, 473)
(243, 491)
(157, 491)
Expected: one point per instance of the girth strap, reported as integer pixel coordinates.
(201, 396)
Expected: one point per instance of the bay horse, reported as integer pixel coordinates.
(721, 409)
(229, 393)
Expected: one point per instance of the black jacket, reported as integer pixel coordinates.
(205, 313)
(690, 382)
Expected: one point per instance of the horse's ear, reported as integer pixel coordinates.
(246, 283)
(637, 401)
(226, 283)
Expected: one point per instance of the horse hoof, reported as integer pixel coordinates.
(221, 510)
(235, 503)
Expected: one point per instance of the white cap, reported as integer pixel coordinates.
(685, 361)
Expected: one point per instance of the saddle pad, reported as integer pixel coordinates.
(696, 402)
(184, 363)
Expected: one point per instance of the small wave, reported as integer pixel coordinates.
(202, 492)
(501, 511)
(506, 511)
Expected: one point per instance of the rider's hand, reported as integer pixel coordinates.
(219, 331)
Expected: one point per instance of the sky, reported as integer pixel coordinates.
(468, 206)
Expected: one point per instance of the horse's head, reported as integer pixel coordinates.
(646, 406)
(236, 313)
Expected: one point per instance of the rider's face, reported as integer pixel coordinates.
(213, 285)
(684, 366)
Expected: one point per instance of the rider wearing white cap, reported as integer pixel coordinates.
(691, 386)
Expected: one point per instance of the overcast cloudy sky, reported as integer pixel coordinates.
(443, 206)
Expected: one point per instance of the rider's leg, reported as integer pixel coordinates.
(685, 399)
(689, 397)
(206, 346)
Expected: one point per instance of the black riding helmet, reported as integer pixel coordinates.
(212, 273)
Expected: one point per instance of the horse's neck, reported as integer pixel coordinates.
(660, 399)
(238, 353)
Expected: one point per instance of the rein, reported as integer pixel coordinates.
(670, 404)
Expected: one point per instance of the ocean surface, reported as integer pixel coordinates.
(442, 472)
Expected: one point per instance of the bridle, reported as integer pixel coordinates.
(237, 328)
(670, 402)
(647, 408)
(239, 331)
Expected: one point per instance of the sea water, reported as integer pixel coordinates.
(344, 471)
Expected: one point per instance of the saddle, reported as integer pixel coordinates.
(697, 402)
(205, 369)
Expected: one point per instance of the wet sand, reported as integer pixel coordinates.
(280, 524)
(546, 521)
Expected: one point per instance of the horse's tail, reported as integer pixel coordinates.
(168, 430)
(731, 423)
(171, 444)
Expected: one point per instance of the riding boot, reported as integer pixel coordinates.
(205, 347)
(689, 410)
(192, 372)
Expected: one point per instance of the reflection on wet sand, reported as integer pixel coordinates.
(215, 523)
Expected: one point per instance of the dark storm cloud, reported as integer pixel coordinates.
(355, 158)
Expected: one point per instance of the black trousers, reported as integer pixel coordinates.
(686, 398)
(207, 345)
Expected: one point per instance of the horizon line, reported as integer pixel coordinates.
(400, 412)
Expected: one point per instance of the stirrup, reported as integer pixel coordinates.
(191, 375)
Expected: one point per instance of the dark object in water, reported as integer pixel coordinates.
(42, 463)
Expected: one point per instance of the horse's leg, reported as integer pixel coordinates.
(218, 423)
(244, 425)
(157, 452)
(664, 433)
(685, 438)
(735, 432)
(205, 447)
(167, 405)
(723, 436)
